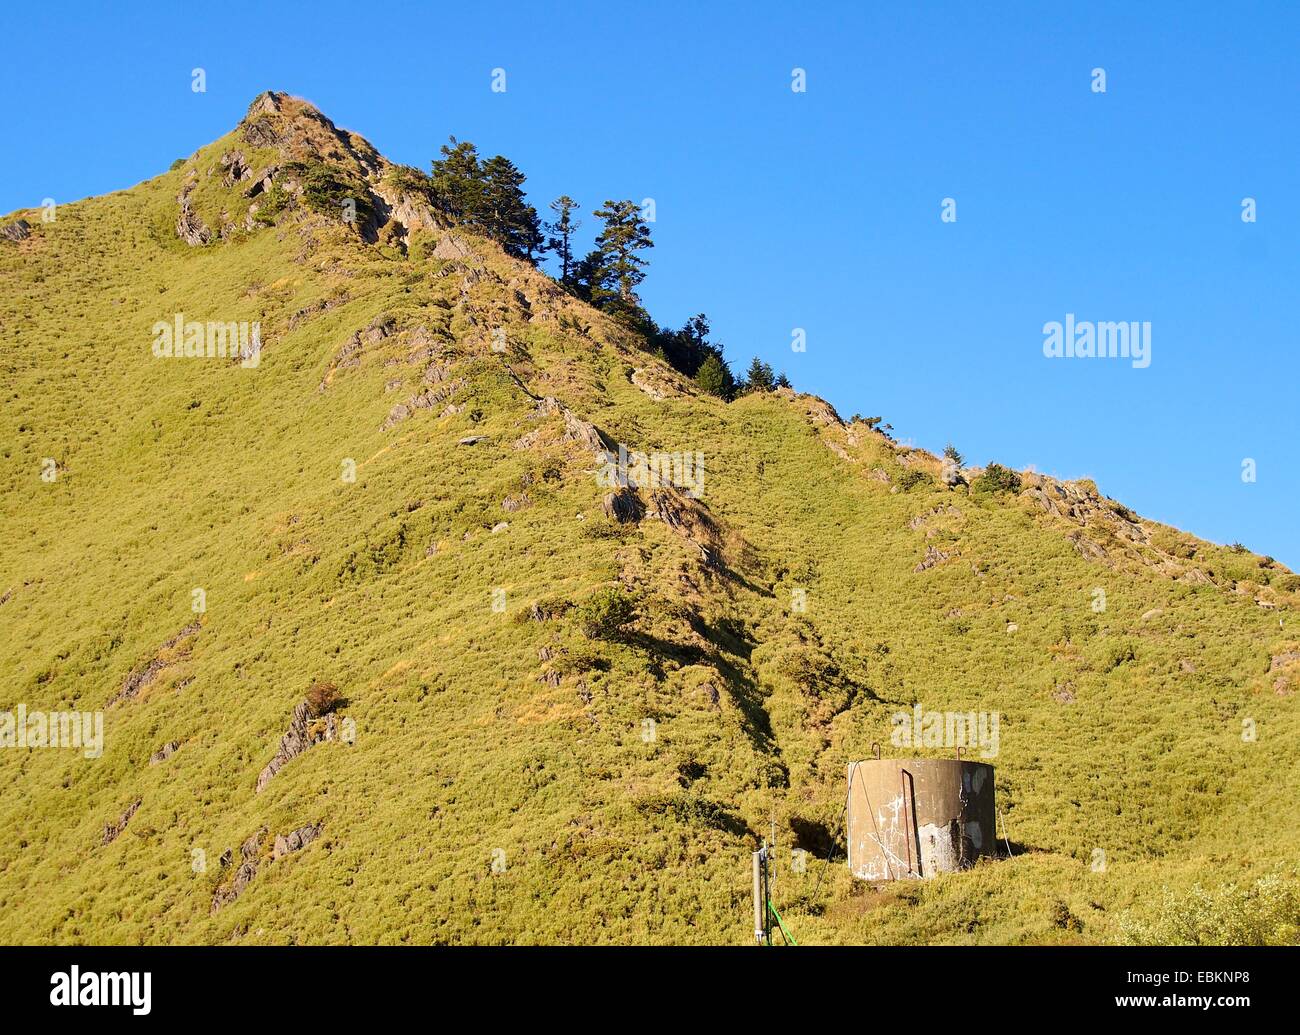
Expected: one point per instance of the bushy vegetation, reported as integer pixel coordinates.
(911, 477)
(1265, 912)
(996, 478)
(606, 612)
(513, 779)
(323, 698)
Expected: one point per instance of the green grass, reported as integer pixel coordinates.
(178, 474)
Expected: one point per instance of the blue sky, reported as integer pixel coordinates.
(821, 210)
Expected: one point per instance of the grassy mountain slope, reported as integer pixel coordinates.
(503, 784)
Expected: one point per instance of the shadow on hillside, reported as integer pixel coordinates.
(1018, 848)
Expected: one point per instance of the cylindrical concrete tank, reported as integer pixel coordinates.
(916, 817)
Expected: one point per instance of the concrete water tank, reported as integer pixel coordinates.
(916, 817)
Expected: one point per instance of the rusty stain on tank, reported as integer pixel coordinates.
(915, 817)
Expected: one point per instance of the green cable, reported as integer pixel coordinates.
(784, 930)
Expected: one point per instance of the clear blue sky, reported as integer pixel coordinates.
(821, 210)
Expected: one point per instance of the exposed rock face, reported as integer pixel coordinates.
(452, 246)
(349, 354)
(295, 840)
(1087, 548)
(295, 741)
(112, 830)
(821, 411)
(624, 506)
(933, 556)
(189, 227)
(227, 893)
(18, 230)
(302, 132)
(141, 677)
(1285, 658)
(236, 169)
(688, 518)
(1080, 503)
(410, 211)
(583, 432)
(576, 430)
(659, 384)
(922, 520)
(165, 752)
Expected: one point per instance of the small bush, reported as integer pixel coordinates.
(997, 478)
(323, 698)
(604, 614)
(911, 478)
(1266, 913)
(1108, 655)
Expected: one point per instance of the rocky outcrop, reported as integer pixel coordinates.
(140, 677)
(624, 506)
(659, 384)
(18, 230)
(235, 168)
(295, 741)
(349, 354)
(576, 430)
(584, 433)
(165, 752)
(231, 890)
(112, 830)
(410, 211)
(1281, 660)
(189, 227)
(1081, 503)
(688, 518)
(425, 400)
(922, 521)
(933, 556)
(295, 840)
(250, 858)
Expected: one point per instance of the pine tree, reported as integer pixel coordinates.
(950, 451)
(561, 240)
(714, 377)
(488, 196)
(759, 378)
(782, 381)
(593, 278)
(625, 233)
(505, 214)
(458, 181)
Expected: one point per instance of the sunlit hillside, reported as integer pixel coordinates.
(565, 710)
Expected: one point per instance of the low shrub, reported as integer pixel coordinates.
(323, 698)
(997, 478)
(604, 614)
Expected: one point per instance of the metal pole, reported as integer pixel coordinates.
(760, 904)
(767, 898)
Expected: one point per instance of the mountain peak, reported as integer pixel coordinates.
(584, 625)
